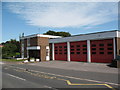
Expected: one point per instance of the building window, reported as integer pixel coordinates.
(93, 48)
(84, 48)
(56, 53)
(110, 44)
(78, 49)
(110, 48)
(56, 50)
(65, 53)
(110, 52)
(101, 48)
(93, 52)
(65, 46)
(84, 45)
(84, 52)
(55, 47)
(28, 41)
(65, 49)
(119, 51)
(72, 52)
(71, 46)
(78, 52)
(101, 44)
(101, 52)
(72, 49)
(93, 45)
(60, 50)
(60, 53)
(60, 46)
(78, 45)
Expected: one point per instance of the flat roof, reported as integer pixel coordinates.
(40, 35)
(89, 36)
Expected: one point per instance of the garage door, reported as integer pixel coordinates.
(61, 51)
(102, 51)
(78, 51)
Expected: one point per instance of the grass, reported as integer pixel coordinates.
(11, 60)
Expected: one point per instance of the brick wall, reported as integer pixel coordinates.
(43, 42)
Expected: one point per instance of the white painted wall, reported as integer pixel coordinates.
(88, 52)
(68, 51)
(114, 48)
(33, 48)
(118, 34)
(48, 56)
(53, 52)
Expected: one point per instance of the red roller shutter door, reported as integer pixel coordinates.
(78, 51)
(102, 51)
(60, 51)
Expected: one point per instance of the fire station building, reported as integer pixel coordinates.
(100, 47)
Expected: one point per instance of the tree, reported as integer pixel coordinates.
(64, 34)
(11, 48)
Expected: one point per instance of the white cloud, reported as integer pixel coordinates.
(79, 14)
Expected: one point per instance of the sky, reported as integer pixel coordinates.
(74, 17)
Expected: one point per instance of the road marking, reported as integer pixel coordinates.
(69, 83)
(69, 76)
(76, 78)
(49, 77)
(16, 77)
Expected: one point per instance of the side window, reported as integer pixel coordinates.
(72, 52)
(78, 52)
(93, 48)
(110, 48)
(93, 52)
(78, 46)
(101, 44)
(84, 45)
(65, 46)
(72, 49)
(84, 52)
(72, 46)
(110, 44)
(101, 52)
(101, 48)
(93, 45)
(60, 46)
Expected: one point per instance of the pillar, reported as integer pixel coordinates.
(88, 52)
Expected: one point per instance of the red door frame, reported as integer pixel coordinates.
(60, 51)
(102, 54)
(78, 51)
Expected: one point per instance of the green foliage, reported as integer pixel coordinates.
(11, 48)
(64, 34)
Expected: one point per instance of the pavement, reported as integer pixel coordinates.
(1, 63)
(79, 66)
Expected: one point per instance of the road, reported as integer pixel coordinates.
(28, 76)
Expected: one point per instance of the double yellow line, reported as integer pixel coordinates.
(69, 83)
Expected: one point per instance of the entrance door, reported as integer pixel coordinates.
(102, 51)
(34, 54)
(78, 51)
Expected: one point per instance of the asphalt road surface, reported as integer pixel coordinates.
(28, 76)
